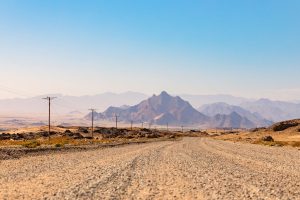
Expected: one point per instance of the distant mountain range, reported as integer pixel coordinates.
(66, 104)
(224, 109)
(273, 110)
(260, 112)
(165, 109)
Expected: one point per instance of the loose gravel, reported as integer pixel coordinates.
(193, 168)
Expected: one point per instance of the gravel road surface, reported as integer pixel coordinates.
(193, 168)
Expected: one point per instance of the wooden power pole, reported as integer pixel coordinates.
(116, 116)
(49, 119)
(93, 110)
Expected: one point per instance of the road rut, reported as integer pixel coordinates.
(193, 168)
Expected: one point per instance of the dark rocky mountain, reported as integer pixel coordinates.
(161, 109)
(226, 109)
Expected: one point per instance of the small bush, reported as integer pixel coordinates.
(59, 145)
(68, 131)
(31, 144)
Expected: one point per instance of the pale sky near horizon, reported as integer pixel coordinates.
(248, 48)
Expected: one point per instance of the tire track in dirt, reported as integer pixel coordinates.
(193, 168)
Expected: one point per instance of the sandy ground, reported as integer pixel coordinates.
(193, 168)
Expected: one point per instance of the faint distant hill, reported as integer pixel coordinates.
(200, 100)
(226, 109)
(273, 110)
(69, 104)
(232, 120)
(162, 109)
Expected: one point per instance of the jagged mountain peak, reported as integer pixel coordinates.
(160, 109)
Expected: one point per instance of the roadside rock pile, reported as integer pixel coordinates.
(99, 133)
(267, 138)
(17, 136)
(125, 133)
(281, 126)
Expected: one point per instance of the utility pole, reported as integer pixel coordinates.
(93, 110)
(49, 119)
(116, 116)
(131, 124)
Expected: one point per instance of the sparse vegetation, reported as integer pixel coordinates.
(278, 143)
(76, 136)
(269, 143)
(31, 144)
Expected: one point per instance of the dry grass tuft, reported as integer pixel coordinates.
(31, 144)
(278, 143)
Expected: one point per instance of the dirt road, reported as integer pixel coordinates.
(194, 168)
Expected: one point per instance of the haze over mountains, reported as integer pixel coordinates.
(165, 109)
(65, 104)
(273, 110)
(213, 110)
(223, 109)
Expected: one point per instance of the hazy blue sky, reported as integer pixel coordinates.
(248, 48)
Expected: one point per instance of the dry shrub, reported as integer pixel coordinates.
(59, 145)
(295, 144)
(31, 144)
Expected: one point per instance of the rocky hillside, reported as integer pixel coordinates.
(162, 109)
(166, 109)
(285, 125)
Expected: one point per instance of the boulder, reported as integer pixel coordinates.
(267, 138)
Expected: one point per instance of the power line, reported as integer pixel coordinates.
(15, 91)
(49, 99)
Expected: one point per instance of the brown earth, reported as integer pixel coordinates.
(192, 168)
(283, 133)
